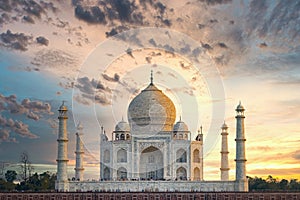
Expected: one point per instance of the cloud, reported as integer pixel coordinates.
(214, 2)
(4, 135)
(93, 91)
(280, 20)
(32, 109)
(17, 41)
(274, 172)
(222, 45)
(18, 127)
(116, 30)
(116, 77)
(42, 40)
(296, 155)
(4, 18)
(32, 115)
(28, 19)
(5, 6)
(263, 45)
(90, 14)
(53, 58)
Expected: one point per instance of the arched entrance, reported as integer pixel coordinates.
(181, 173)
(151, 164)
(122, 173)
(106, 173)
(196, 174)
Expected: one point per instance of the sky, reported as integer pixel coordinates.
(206, 55)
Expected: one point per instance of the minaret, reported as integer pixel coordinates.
(241, 180)
(62, 183)
(199, 138)
(224, 154)
(201, 155)
(79, 154)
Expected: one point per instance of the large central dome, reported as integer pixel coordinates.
(151, 111)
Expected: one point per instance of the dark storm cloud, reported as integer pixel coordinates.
(42, 40)
(126, 12)
(17, 41)
(214, 2)
(160, 7)
(124, 8)
(90, 14)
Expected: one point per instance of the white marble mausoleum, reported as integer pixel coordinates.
(151, 152)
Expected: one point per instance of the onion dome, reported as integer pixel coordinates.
(122, 126)
(180, 126)
(240, 108)
(151, 110)
(79, 126)
(63, 107)
(224, 126)
(199, 137)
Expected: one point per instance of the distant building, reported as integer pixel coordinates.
(152, 152)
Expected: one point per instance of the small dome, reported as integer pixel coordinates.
(104, 137)
(240, 107)
(79, 126)
(224, 126)
(180, 126)
(122, 126)
(199, 137)
(63, 107)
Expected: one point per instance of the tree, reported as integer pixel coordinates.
(26, 168)
(10, 175)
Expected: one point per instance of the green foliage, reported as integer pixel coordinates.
(10, 175)
(273, 184)
(6, 186)
(37, 182)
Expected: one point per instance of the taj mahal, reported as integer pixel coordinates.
(151, 152)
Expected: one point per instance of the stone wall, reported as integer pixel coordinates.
(157, 186)
(151, 195)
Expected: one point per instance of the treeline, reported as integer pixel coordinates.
(273, 184)
(36, 182)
